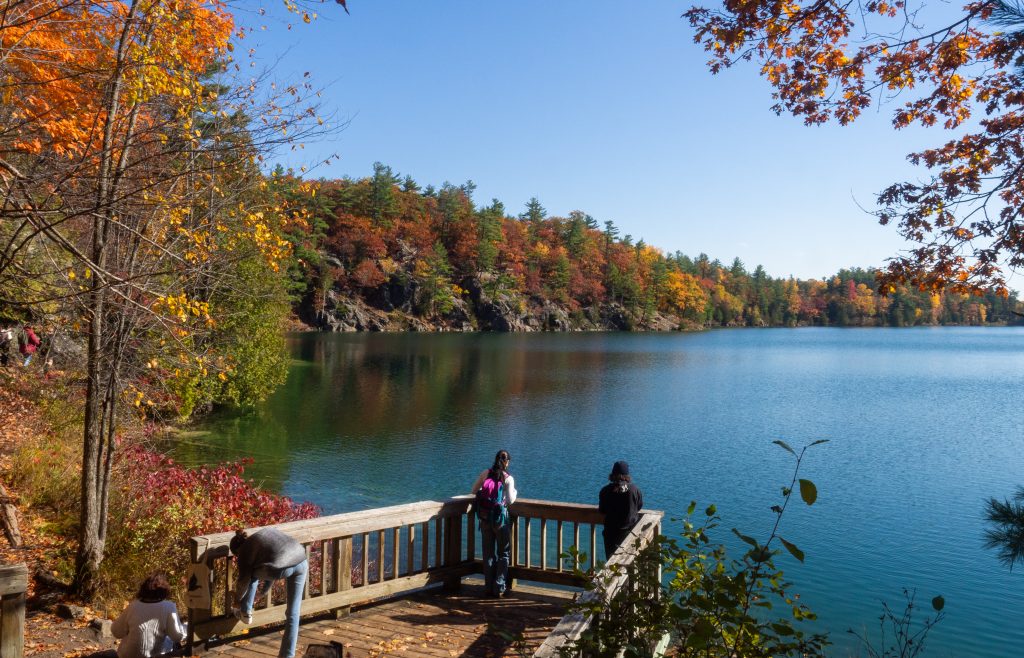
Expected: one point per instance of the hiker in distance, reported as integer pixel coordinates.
(620, 501)
(28, 343)
(495, 490)
(265, 556)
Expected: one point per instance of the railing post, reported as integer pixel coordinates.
(196, 615)
(342, 571)
(13, 584)
(513, 560)
(656, 576)
(453, 549)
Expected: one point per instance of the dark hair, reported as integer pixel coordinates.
(620, 472)
(236, 542)
(154, 588)
(501, 461)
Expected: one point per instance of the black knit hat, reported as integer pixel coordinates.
(620, 468)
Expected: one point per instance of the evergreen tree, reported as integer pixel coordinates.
(409, 185)
(489, 227)
(382, 195)
(534, 213)
(575, 234)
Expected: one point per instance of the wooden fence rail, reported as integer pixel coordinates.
(354, 558)
(13, 585)
(614, 577)
(361, 557)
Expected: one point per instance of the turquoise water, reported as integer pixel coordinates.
(923, 424)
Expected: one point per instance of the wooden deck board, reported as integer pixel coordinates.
(429, 624)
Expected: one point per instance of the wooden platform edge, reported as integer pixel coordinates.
(358, 596)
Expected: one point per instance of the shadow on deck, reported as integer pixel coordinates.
(429, 624)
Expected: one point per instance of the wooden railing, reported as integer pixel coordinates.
(354, 558)
(13, 584)
(361, 557)
(614, 579)
(543, 530)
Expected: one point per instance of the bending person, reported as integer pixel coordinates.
(495, 490)
(265, 556)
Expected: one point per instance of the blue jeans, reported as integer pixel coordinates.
(296, 577)
(497, 541)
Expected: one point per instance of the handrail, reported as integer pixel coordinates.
(610, 581)
(13, 585)
(538, 539)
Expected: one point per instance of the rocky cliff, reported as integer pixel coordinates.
(395, 306)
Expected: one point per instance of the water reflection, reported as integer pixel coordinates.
(387, 391)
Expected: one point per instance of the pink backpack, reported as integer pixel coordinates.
(491, 505)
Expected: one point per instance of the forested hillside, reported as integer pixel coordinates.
(384, 253)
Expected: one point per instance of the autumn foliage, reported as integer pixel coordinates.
(830, 61)
(433, 253)
(56, 52)
(135, 213)
(160, 504)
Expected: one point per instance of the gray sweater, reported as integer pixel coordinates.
(266, 554)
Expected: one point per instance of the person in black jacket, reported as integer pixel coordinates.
(620, 501)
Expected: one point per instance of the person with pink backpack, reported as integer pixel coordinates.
(495, 490)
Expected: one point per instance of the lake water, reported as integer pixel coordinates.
(923, 424)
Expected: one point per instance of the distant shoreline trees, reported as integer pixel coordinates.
(367, 236)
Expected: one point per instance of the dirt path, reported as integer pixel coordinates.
(46, 634)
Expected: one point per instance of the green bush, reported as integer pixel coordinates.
(708, 604)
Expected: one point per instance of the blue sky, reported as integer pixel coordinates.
(606, 107)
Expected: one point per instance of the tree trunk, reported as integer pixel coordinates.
(102, 362)
(90, 540)
(97, 444)
(9, 518)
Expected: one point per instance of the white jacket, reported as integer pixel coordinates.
(148, 629)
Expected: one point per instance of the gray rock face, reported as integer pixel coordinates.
(460, 318)
(502, 313)
(555, 318)
(343, 314)
(615, 317)
(659, 322)
(393, 307)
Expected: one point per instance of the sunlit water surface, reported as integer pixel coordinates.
(924, 425)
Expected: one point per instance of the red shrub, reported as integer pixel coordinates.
(158, 505)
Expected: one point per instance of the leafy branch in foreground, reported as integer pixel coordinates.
(830, 61)
(709, 604)
(906, 642)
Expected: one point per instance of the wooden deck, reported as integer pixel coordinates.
(430, 624)
(378, 562)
